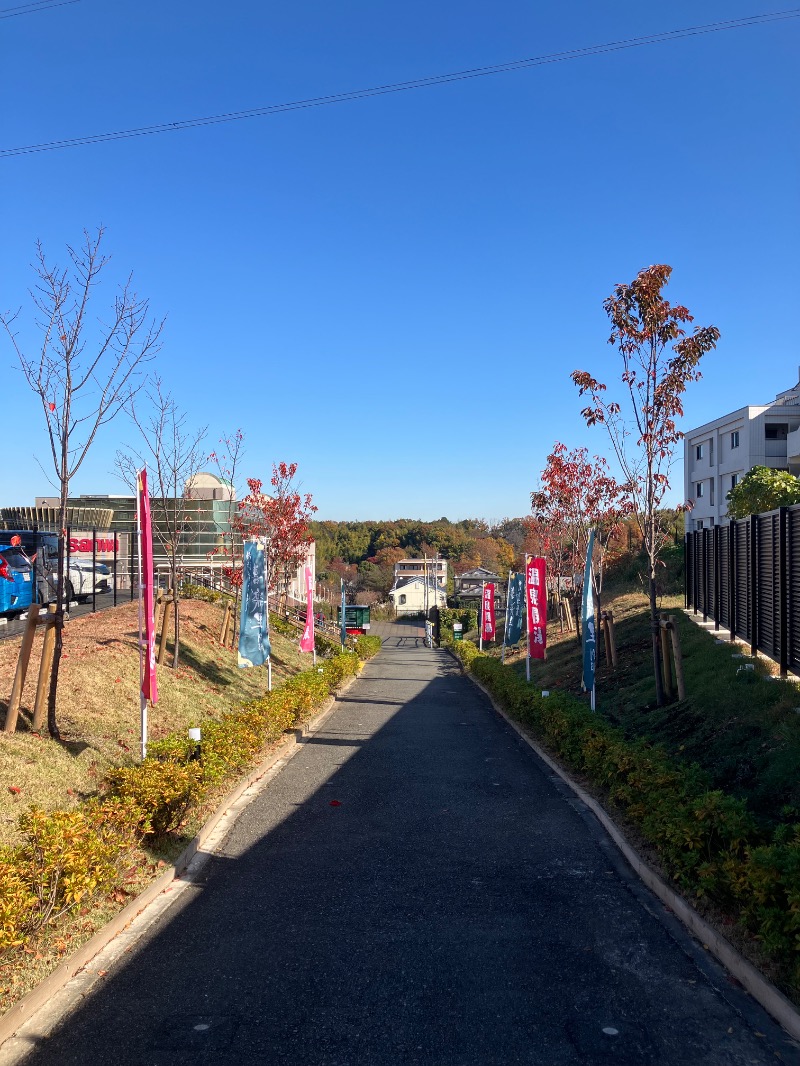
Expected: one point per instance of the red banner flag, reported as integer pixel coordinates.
(307, 639)
(146, 591)
(487, 613)
(536, 596)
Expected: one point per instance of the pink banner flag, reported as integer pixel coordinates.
(146, 591)
(487, 613)
(536, 596)
(307, 639)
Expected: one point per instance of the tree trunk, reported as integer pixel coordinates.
(52, 695)
(175, 619)
(656, 637)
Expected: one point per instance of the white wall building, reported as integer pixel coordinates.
(717, 455)
(410, 596)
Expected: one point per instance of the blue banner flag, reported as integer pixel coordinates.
(589, 634)
(253, 631)
(516, 609)
(344, 622)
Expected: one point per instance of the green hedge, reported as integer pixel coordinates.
(71, 856)
(709, 842)
(467, 616)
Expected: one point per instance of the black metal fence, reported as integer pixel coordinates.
(746, 577)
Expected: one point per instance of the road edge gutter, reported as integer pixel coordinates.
(752, 980)
(193, 855)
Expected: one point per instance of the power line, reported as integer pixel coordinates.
(29, 9)
(405, 86)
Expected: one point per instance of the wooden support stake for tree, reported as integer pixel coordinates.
(606, 636)
(226, 617)
(568, 613)
(612, 637)
(169, 606)
(45, 669)
(666, 659)
(677, 656)
(22, 668)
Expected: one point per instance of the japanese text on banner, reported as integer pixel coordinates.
(536, 595)
(487, 612)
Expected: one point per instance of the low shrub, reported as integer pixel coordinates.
(200, 592)
(366, 647)
(161, 791)
(65, 858)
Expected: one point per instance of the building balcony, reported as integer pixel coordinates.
(792, 446)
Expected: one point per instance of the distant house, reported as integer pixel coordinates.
(409, 596)
(468, 587)
(432, 568)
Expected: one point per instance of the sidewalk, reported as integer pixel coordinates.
(416, 888)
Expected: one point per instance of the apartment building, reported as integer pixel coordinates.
(718, 454)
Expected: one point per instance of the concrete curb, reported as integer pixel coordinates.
(753, 981)
(24, 1009)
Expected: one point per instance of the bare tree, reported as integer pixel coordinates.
(230, 543)
(175, 456)
(85, 371)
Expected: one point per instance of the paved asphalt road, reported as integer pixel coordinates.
(415, 888)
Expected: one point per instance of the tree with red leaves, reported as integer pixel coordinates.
(577, 495)
(280, 518)
(659, 360)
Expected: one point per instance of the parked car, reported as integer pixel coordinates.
(16, 580)
(41, 551)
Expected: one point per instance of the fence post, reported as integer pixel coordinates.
(753, 584)
(717, 576)
(705, 574)
(733, 577)
(67, 559)
(694, 575)
(783, 587)
(687, 570)
(94, 569)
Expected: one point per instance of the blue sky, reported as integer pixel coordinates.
(393, 292)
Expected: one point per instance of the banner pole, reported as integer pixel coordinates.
(527, 626)
(142, 697)
(505, 627)
(480, 620)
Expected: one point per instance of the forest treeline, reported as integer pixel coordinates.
(364, 553)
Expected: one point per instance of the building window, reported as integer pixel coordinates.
(402, 599)
(735, 439)
(734, 480)
(711, 492)
(698, 490)
(711, 452)
(775, 431)
(698, 523)
(698, 452)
